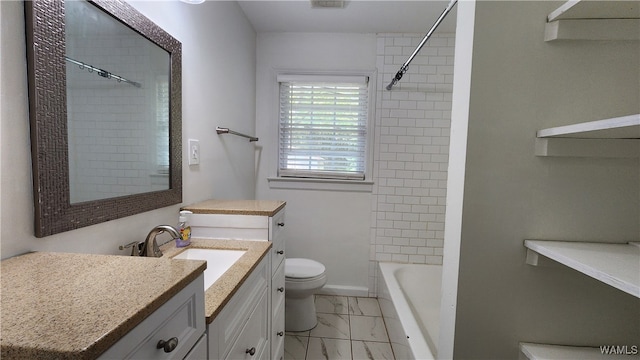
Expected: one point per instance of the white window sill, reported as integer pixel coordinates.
(320, 184)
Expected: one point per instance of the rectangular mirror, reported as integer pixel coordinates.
(105, 110)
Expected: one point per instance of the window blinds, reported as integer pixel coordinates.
(162, 124)
(323, 126)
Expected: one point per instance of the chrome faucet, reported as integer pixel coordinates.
(150, 247)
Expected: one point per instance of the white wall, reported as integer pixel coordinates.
(520, 84)
(218, 83)
(332, 227)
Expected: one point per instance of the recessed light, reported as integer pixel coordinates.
(192, 1)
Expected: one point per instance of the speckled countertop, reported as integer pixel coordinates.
(237, 207)
(217, 296)
(76, 306)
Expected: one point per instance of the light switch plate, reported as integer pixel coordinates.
(194, 152)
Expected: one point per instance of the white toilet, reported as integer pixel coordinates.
(303, 277)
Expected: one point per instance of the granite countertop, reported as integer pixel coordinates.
(236, 207)
(63, 306)
(219, 294)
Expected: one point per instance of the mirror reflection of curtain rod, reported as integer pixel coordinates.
(103, 73)
(220, 130)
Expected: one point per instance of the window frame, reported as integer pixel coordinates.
(286, 182)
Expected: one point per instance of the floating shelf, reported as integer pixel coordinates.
(615, 137)
(617, 265)
(578, 9)
(594, 20)
(556, 352)
(623, 127)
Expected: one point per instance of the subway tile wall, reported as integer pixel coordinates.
(412, 145)
(110, 125)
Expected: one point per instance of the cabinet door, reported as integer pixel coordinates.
(227, 326)
(180, 320)
(199, 350)
(253, 342)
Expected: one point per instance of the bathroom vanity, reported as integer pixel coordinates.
(236, 304)
(83, 306)
(258, 221)
(86, 306)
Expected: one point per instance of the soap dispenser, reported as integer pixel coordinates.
(184, 229)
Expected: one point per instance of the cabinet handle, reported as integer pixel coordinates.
(281, 289)
(168, 345)
(280, 224)
(280, 333)
(251, 351)
(280, 252)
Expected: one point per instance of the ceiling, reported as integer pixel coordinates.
(357, 16)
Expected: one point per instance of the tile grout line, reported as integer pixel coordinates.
(351, 340)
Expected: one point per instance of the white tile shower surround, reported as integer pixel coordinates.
(349, 328)
(111, 156)
(412, 151)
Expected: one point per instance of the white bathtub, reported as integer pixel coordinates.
(409, 295)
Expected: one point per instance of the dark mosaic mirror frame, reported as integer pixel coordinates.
(45, 31)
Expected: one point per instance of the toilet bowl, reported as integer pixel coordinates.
(303, 277)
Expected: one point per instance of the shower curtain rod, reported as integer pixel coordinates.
(103, 73)
(405, 66)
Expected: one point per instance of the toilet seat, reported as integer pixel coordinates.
(304, 280)
(298, 269)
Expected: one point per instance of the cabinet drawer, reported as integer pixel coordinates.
(277, 239)
(252, 342)
(277, 255)
(229, 323)
(276, 225)
(278, 288)
(277, 334)
(181, 317)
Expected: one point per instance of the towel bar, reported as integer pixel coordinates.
(221, 130)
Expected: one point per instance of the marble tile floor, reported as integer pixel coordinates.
(349, 328)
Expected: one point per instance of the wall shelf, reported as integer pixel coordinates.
(623, 127)
(615, 137)
(594, 20)
(556, 352)
(615, 264)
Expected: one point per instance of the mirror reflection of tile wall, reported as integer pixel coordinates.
(117, 145)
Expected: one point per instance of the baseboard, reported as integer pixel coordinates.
(341, 290)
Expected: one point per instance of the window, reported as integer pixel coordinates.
(162, 124)
(323, 126)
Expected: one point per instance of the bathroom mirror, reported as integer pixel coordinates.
(105, 112)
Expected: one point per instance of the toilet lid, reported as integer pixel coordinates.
(302, 268)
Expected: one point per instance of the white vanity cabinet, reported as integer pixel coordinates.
(255, 221)
(276, 225)
(179, 323)
(241, 329)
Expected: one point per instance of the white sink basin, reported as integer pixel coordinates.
(218, 261)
